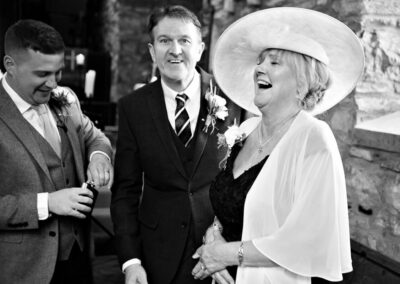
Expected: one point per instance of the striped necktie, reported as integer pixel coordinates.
(182, 122)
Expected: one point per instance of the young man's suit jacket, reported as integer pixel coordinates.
(153, 224)
(28, 247)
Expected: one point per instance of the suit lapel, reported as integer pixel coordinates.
(158, 111)
(11, 116)
(202, 137)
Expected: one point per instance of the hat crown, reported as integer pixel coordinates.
(283, 38)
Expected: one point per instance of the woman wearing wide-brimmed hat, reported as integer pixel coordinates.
(280, 201)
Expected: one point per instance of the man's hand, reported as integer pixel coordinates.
(212, 234)
(100, 171)
(135, 274)
(74, 201)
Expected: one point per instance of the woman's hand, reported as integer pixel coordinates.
(220, 277)
(199, 271)
(214, 257)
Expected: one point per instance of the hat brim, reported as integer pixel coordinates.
(239, 46)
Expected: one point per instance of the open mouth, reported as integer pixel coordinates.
(175, 61)
(264, 85)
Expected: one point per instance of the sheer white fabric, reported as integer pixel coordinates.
(296, 211)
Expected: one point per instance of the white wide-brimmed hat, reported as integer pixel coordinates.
(296, 29)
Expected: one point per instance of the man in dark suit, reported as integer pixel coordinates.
(166, 158)
(46, 143)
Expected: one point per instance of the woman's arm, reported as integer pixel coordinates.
(218, 255)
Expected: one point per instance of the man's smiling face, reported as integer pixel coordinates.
(176, 49)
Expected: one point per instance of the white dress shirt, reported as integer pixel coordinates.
(192, 104)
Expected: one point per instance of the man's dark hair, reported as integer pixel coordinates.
(175, 12)
(35, 35)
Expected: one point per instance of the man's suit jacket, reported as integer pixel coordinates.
(154, 225)
(28, 247)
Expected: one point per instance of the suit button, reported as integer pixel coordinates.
(191, 193)
(183, 225)
(63, 164)
(52, 234)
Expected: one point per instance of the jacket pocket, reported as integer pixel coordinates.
(148, 219)
(11, 237)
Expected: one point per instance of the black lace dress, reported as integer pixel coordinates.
(228, 195)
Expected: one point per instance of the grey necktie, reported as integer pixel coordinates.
(50, 132)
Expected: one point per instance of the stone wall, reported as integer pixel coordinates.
(134, 62)
(111, 40)
(374, 198)
(379, 91)
(372, 171)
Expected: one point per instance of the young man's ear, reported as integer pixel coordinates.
(9, 64)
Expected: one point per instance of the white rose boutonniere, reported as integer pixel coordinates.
(62, 93)
(216, 108)
(61, 98)
(231, 137)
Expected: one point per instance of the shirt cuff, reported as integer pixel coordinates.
(130, 262)
(43, 205)
(99, 152)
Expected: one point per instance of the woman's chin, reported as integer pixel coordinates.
(259, 104)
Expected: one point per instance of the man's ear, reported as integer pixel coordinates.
(151, 50)
(9, 64)
(201, 49)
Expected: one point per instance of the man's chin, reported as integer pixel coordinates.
(176, 77)
(43, 96)
(180, 74)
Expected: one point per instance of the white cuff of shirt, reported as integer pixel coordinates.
(130, 262)
(99, 152)
(43, 205)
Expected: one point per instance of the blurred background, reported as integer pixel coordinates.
(110, 38)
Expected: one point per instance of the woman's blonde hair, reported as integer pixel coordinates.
(313, 77)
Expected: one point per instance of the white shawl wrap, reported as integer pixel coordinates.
(296, 211)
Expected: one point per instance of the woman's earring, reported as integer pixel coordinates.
(299, 98)
(298, 95)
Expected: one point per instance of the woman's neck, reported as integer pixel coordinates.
(274, 119)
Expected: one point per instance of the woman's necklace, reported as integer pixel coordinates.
(261, 143)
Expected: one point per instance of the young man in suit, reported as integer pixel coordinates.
(166, 158)
(46, 144)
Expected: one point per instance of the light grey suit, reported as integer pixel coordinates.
(28, 247)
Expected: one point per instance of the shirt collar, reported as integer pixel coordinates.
(191, 91)
(22, 105)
